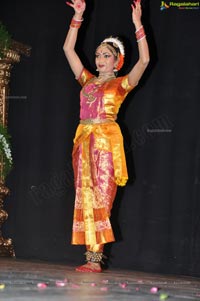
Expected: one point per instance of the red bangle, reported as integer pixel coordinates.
(144, 36)
(75, 23)
(139, 28)
(140, 34)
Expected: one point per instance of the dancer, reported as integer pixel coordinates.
(98, 154)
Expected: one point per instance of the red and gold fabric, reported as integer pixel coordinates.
(98, 158)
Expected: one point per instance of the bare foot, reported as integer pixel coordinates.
(90, 267)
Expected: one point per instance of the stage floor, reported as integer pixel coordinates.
(33, 281)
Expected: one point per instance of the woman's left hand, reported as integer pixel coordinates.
(136, 12)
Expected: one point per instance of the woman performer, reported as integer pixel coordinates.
(98, 153)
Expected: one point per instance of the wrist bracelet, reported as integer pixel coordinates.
(141, 38)
(78, 20)
(140, 34)
(139, 28)
(75, 23)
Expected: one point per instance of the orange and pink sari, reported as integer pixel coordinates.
(98, 159)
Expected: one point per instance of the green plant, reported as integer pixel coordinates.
(5, 40)
(5, 151)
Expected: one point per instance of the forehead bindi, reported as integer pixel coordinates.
(103, 50)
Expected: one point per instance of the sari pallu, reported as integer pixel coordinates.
(99, 166)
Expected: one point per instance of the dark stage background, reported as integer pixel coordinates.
(156, 217)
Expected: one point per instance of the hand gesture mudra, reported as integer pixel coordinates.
(136, 11)
(78, 5)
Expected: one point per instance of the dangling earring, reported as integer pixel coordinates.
(115, 71)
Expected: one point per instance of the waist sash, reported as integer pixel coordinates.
(95, 121)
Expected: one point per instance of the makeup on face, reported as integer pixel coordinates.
(104, 59)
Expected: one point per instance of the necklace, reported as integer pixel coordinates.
(105, 77)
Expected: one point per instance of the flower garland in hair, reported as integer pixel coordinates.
(121, 62)
(116, 42)
(5, 151)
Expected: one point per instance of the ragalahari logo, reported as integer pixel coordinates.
(179, 5)
(164, 5)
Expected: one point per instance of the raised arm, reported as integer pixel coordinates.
(139, 68)
(70, 41)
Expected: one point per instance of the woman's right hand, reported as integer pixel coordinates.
(78, 6)
(136, 13)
